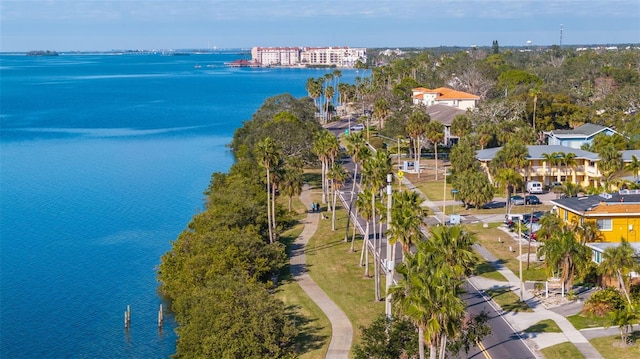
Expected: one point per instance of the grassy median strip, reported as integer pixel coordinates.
(508, 300)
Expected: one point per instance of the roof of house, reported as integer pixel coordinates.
(536, 152)
(601, 246)
(443, 94)
(628, 154)
(444, 113)
(585, 131)
(620, 203)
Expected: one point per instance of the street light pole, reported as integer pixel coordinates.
(444, 198)
(520, 259)
(390, 262)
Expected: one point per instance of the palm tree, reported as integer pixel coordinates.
(634, 167)
(416, 128)
(329, 93)
(550, 159)
(588, 232)
(406, 220)
(357, 148)
(508, 179)
(435, 135)
(535, 92)
(624, 318)
(565, 254)
(363, 204)
(291, 184)
(325, 146)
(610, 162)
(268, 154)
(381, 110)
(428, 295)
(374, 173)
(338, 176)
(569, 161)
(314, 89)
(619, 261)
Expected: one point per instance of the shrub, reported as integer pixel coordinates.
(604, 301)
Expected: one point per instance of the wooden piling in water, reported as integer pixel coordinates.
(160, 317)
(127, 317)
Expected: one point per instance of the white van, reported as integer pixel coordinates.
(534, 187)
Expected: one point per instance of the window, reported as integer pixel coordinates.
(604, 224)
(596, 256)
(566, 215)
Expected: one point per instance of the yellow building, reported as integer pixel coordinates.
(548, 164)
(617, 215)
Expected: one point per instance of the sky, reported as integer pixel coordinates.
(103, 25)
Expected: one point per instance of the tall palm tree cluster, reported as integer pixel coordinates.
(281, 175)
(434, 263)
(429, 292)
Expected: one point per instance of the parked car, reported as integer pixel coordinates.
(534, 187)
(358, 127)
(517, 200)
(531, 199)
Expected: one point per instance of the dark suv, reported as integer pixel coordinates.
(531, 200)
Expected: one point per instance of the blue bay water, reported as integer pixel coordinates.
(103, 161)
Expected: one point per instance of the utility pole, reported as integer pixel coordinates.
(390, 263)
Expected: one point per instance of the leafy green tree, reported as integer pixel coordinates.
(463, 156)
(517, 81)
(293, 131)
(619, 261)
(224, 328)
(474, 188)
(387, 339)
(461, 126)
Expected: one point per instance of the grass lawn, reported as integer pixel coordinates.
(507, 300)
(609, 347)
(564, 350)
(488, 238)
(337, 272)
(544, 326)
(314, 327)
(434, 189)
(580, 321)
(487, 270)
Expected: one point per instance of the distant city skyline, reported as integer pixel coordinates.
(102, 25)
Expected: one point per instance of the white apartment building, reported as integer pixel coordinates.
(308, 56)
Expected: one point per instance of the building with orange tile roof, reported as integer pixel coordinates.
(444, 96)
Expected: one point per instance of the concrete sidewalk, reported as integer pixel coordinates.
(341, 328)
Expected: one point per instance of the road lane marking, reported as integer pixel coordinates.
(484, 350)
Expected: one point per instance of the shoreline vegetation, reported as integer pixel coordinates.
(222, 272)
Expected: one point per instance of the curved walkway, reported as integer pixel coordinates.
(341, 329)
